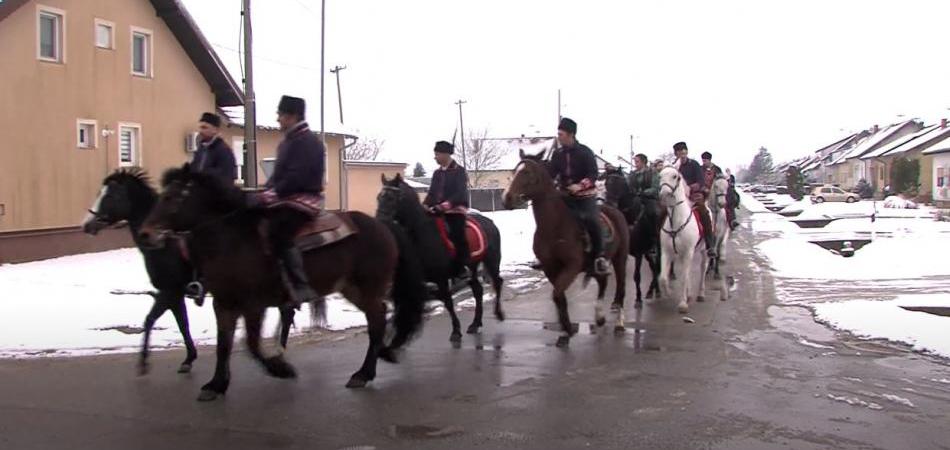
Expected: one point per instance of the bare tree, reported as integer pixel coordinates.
(366, 149)
(481, 155)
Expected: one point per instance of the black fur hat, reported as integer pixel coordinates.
(292, 105)
(679, 146)
(706, 155)
(444, 147)
(211, 119)
(567, 125)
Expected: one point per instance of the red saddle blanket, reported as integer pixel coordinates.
(473, 233)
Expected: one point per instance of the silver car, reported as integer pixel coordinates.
(832, 194)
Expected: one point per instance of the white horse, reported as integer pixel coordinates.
(680, 239)
(716, 203)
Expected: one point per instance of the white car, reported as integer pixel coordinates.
(833, 194)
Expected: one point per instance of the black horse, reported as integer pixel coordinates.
(644, 232)
(229, 246)
(127, 196)
(399, 203)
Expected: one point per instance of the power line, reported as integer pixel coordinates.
(262, 58)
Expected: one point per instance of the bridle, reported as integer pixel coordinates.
(673, 230)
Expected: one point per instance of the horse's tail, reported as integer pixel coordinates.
(409, 290)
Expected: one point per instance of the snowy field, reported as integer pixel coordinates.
(908, 252)
(68, 306)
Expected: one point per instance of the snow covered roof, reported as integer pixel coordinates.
(415, 184)
(938, 141)
(872, 142)
(931, 137)
(883, 150)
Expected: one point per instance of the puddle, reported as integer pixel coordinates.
(423, 431)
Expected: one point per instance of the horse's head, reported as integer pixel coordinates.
(672, 187)
(396, 199)
(617, 189)
(530, 180)
(125, 195)
(188, 199)
(720, 188)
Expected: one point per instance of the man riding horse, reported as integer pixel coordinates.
(574, 169)
(694, 176)
(644, 184)
(294, 194)
(448, 196)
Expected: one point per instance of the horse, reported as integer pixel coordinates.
(716, 203)
(559, 241)
(680, 238)
(399, 203)
(644, 234)
(230, 248)
(127, 195)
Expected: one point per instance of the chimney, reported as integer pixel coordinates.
(875, 129)
(943, 123)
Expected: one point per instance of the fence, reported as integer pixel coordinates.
(486, 199)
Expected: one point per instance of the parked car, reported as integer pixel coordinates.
(781, 189)
(764, 189)
(832, 194)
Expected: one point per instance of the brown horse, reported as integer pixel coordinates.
(228, 247)
(559, 241)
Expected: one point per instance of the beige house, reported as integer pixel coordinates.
(93, 86)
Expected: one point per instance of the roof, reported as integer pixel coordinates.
(374, 164)
(873, 141)
(933, 142)
(883, 150)
(415, 184)
(226, 91)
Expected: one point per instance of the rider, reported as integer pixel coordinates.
(448, 195)
(693, 174)
(644, 183)
(213, 157)
(294, 192)
(574, 168)
(732, 200)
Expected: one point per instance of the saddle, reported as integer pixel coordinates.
(326, 228)
(607, 232)
(477, 243)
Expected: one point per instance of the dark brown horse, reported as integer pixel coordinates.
(230, 251)
(559, 241)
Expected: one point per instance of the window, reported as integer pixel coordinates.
(130, 144)
(50, 29)
(141, 52)
(105, 34)
(86, 133)
(837, 191)
(825, 190)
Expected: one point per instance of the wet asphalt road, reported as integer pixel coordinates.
(748, 374)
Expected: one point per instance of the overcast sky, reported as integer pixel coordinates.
(724, 76)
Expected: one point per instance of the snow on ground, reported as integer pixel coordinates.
(906, 246)
(65, 306)
(887, 320)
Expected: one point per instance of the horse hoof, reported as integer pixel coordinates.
(619, 329)
(184, 368)
(563, 341)
(683, 309)
(500, 316)
(207, 396)
(700, 299)
(389, 355)
(601, 321)
(455, 337)
(472, 329)
(356, 382)
(277, 367)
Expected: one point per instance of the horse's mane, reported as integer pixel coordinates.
(229, 196)
(136, 174)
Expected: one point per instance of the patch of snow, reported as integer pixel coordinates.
(883, 259)
(808, 343)
(896, 202)
(854, 401)
(898, 399)
(886, 319)
(517, 239)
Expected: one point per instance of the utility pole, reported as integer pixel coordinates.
(558, 105)
(462, 127)
(339, 93)
(250, 102)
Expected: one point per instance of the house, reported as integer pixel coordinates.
(849, 168)
(924, 148)
(91, 87)
(87, 88)
(939, 154)
(823, 171)
(880, 163)
(499, 174)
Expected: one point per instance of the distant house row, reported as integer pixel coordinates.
(870, 154)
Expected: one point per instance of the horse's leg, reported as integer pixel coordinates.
(654, 288)
(375, 311)
(724, 285)
(701, 288)
(620, 292)
(275, 365)
(159, 305)
(478, 291)
(683, 305)
(638, 262)
(227, 321)
(447, 301)
(600, 317)
(561, 281)
(665, 266)
(287, 314)
(493, 266)
(180, 310)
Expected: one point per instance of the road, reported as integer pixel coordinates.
(748, 374)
